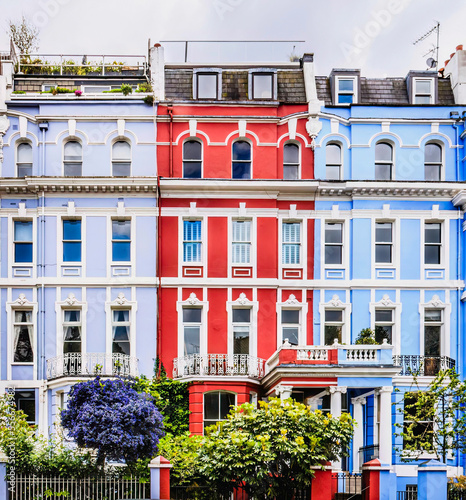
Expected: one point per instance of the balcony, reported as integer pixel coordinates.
(223, 365)
(91, 364)
(427, 366)
(336, 354)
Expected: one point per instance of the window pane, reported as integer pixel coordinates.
(72, 333)
(72, 316)
(332, 332)
(227, 399)
(23, 348)
(333, 154)
(382, 333)
(291, 153)
(345, 98)
(383, 315)
(291, 232)
(383, 232)
(333, 315)
(346, 84)
(383, 254)
(241, 340)
(383, 172)
(25, 170)
(23, 252)
(192, 170)
(121, 169)
(211, 406)
(241, 151)
(207, 86)
(25, 153)
(332, 172)
(433, 233)
(241, 230)
(192, 150)
(25, 401)
(241, 170)
(291, 254)
(23, 230)
(423, 86)
(73, 151)
(121, 332)
(432, 315)
(433, 153)
(241, 315)
(192, 252)
(192, 315)
(23, 317)
(72, 252)
(290, 172)
(432, 254)
(422, 99)
(121, 315)
(290, 333)
(121, 151)
(383, 152)
(72, 169)
(121, 251)
(333, 254)
(191, 340)
(121, 347)
(290, 316)
(432, 172)
(192, 230)
(333, 233)
(432, 340)
(262, 86)
(121, 229)
(72, 230)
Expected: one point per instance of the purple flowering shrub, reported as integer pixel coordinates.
(111, 417)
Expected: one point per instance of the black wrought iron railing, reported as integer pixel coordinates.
(454, 493)
(428, 366)
(367, 453)
(346, 485)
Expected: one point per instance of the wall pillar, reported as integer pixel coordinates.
(385, 428)
(284, 391)
(335, 410)
(321, 488)
(159, 478)
(358, 437)
(432, 481)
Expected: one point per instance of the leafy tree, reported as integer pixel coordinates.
(271, 449)
(171, 398)
(111, 417)
(24, 34)
(434, 418)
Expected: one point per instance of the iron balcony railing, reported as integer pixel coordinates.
(429, 366)
(91, 364)
(218, 365)
(367, 453)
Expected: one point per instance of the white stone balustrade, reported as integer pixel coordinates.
(218, 365)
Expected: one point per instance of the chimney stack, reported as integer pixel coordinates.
(455, 68)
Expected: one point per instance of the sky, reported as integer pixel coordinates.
(375, 36)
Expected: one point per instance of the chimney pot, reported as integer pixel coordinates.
(459, 47)
(447, 61)
(451, 55)
(157, 45)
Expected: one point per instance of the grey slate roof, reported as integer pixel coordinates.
(377, 91)
(179, 85)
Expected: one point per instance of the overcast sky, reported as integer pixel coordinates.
(374, 35)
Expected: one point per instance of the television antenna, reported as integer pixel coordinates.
(432, 61)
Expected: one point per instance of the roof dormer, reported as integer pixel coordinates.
(345, 86)
(422, 87)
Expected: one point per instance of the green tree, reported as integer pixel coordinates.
(272, 449)
(24, 34)
(434, 419)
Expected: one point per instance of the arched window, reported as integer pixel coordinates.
(217, 406)
(333, 162)
(73, 159)
(241, 160)
(24, 160)
(192, 160)
(432, 162)
(383, 161)
(121, 159)
(290, 161)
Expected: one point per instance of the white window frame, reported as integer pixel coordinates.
(65, 142)
(241, 242)
(301, 245)
(292, 303)
(131, 242)
(385, 162)
(120, 302)
(392, 243)
(258, 71)
(70, 303)
(207, 71)
(298, 145)
(441, 165)
(444, 235)
(335, 303)
(354, 93)
(203, 405)
(436, 303)
(242, 302)
(385, 303)
(251, 161)
(21, 304)
(203, 222)
(130, 160)
(324, 224)
(32, 242)
(192, 302)
(340, 165)
(423, 94)
(18, 163)
(192, 139)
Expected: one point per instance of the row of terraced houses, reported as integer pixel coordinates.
(240, 222)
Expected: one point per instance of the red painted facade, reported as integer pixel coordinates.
(215, 284)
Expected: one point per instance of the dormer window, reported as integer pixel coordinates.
(207, 84)
(262, 85)
(346, 90)
(423, 91)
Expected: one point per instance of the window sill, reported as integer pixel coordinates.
(17, 363)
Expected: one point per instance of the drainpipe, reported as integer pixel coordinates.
(170, 159)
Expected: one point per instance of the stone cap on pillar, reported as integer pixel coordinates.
(376, 464)
(160, 463)
(432, 465)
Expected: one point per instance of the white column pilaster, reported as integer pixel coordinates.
(284, 391)
(335, 410)
(385, 426)
(358, 437)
